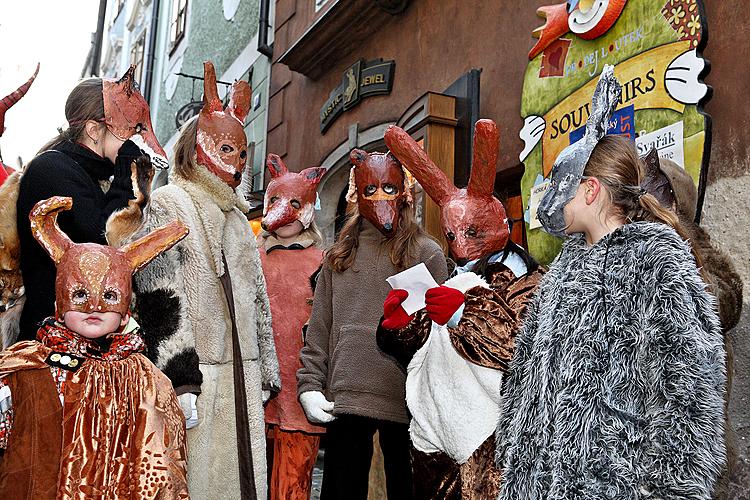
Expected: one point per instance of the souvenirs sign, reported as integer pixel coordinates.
(362, 79)
(655, 47)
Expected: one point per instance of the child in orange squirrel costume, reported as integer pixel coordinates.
(290, 256)
(83, 413)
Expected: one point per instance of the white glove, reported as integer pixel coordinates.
(189, 409)
(317, 408)
(266, 396)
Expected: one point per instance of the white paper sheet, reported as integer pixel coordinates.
(415, 280)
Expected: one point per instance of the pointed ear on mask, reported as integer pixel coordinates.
(276, 165)
(44, 226)
(239, 103)
(127, 83)
(415, 160)
(145, 249)
(313, 175)
(211, 101)
(484, 161)
(358, 157)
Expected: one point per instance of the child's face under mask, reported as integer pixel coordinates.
(94, 325)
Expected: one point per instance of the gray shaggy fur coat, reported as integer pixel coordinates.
(616, 388)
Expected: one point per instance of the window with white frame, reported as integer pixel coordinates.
(136, 56)
(177, 23)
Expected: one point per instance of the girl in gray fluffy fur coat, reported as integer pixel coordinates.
(616, 387)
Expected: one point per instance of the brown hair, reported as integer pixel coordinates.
(402, 246)
(184, 163)
(616, 164)
(85, 102)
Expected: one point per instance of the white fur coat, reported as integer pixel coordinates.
(186, 322)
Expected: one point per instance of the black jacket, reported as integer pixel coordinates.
(68, 170)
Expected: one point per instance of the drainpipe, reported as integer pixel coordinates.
(98, 37)
(263, 27)
(148, 83)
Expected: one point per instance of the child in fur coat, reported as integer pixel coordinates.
(616, 388)
(83, 413)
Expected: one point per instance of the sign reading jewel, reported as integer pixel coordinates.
(362, 79)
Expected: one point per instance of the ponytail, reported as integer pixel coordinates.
(616, 164)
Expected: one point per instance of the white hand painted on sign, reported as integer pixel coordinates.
(681, 78)
(531, 134)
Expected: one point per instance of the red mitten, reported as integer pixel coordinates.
(394, 316)
(442, 302)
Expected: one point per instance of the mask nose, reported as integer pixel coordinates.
(388, 227)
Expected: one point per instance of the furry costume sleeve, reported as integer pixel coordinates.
(161, 307)
(685, 365)
(314, 355)
(269, 362)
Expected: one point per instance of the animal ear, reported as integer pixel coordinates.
(484, 161)
(415, 160)
(655, 181)
(44, 226)
(145, 249)
(313, 175)
(239, 103)
(211, 101)
(127, 83)
(275, 165)
(358, 157)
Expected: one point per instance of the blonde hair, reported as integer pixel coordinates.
(185, 163)
(402, 246)
(615, 163)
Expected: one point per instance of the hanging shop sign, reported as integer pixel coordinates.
(655, 47)
(362, 79)
(186, 112)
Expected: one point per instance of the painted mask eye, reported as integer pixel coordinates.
(370, 189)
(273, 199)
(243, 154)
(226, 148)
(471, 232)
(111, 296)
(296, 204)
(389, 189)
(79, 296)
(450, 236)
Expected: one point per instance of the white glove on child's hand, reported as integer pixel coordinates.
(317, 408)
(189, 409)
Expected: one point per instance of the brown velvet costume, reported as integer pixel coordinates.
(484, 336)
(120, 433)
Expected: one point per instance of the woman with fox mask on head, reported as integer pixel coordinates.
(345, 380)
(109, 128)
(203, 305)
